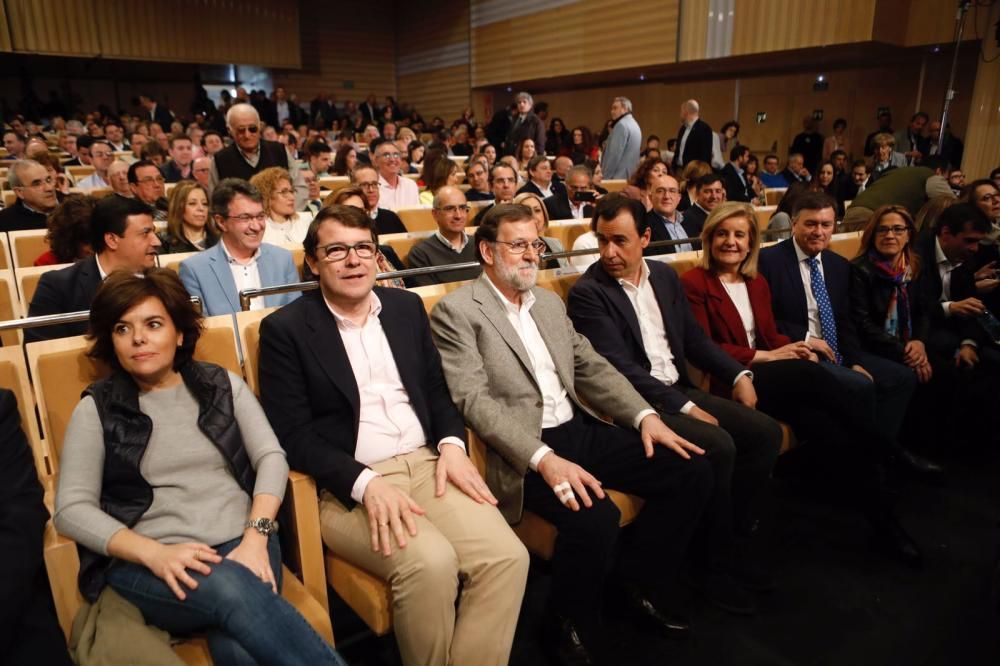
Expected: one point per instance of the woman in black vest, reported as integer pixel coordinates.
(171, 479)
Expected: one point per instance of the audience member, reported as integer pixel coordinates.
(477, 175)
(212, 143)
(795, 170)
(68, 234)
(621, 154)
(443, 172)
(320, 156)
(118, 179)
(15, 144)
(540, 178)
(396, 191)
(884, 127)
(664, 221)
(449, 244)
(155, 113)
(911, 141)
(387, 260)
(188, 227)
(386, 221)
(525, 125)
(734, 175)
(809, 143)
(285, 226)
(770, 176)
(122, 237)
(886, 157)
(951, 150)
(35, 190)
(694, 139)
(146, 183)
(710, 192)
(531, 390)
(241, 260)
(575, 202)
(584, 147)
(181, 158)
(837, 141)
(540, 215)
(381, 436)
(345, 161)
(101, 157)
(205, 498)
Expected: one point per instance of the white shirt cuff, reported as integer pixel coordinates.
(745, 373)
(808, 335)
(646, 412)
(946, 306)
(537, 456)
(687, 407)
(361, 483)
(451, 440)
(972, 343)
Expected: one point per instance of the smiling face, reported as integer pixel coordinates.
(665, 194)
(282, 199)
(730, 244)
(196, 209)
(452, 211)
(478, 180)
(892, 234)
(350, 280)
(711, 195)
(145, 341)
(812, 230)
(243, 229)
(136, 248)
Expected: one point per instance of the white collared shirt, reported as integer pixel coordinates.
(246, 276)
(405, 194)
(387, 424)
(815, 328)
(546, 191)
(576, 208)
(447, 243)
(287, 233)
(944, 267)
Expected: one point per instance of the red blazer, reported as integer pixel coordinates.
(717, 314)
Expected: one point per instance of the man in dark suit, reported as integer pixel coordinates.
(386, 221)
(795, 171)
(734, 175)
(36, 197)
(156, 113)
(352, 384)
(123, 237)
(710, 192)
(810, 298)
(563, 205)
(29, 631)
(635, 314)
(911, 141)
(540, 179)
(694, 138)
(525, 125)
(664, 221)
(370, 113)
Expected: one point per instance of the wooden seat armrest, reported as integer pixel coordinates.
(311, 609)
(304, 543)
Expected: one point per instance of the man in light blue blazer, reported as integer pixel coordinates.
(241, 260)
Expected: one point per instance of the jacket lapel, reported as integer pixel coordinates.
(328, 347)
(494, 311)
(725, 306)
(794, 278)
(616, 294)
(224, 274)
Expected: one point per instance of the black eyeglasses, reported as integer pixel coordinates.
(339, 251)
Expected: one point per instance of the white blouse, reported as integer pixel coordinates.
(740, 297)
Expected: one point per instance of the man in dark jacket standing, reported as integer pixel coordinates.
(526, 125)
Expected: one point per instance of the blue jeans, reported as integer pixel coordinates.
(244, 621)
(880, 405)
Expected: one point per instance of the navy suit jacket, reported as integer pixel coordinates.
(69, 289)
(780, 267)
(310, 395)
(658, 232)
(736, 189)
(601, 310)
(558, 208)
(207, 275)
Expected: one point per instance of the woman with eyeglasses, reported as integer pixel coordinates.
(170, 481)
(188, 226)
(285, 226)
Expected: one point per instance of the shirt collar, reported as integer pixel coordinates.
(247, 155)
(447, 243)
(527, 299)
(232, 260)
(643, 278)
(941, 258)
(374, 310)
(100, 269)
(802, 256)
(25, 205)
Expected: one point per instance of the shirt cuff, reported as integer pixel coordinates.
(946, 306)
(972, 343)
(451, 440)
(646, 412)
(745, 373)
(537, 456)
(361, 483)
(687, 407)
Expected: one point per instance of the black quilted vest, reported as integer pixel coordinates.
(125, 495)
(230, 163)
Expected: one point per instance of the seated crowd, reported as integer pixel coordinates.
(679, 389)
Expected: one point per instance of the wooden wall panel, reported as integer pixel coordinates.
(693, 37)
(982, 142)
(584, 36)
(761, 26)
(440, 92)
(349, 58)
(179, 31)
(919, 22)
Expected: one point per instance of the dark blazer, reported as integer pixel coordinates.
(698, 146)
(309, 393)
(870, 297)
(476, 195)
(658, 232)
(558, 208)
(69, 289)
(172, 173)
(557, 189)
(531, 127)
(780, 267)
(161, 116)
(694, 221)
(602, 312)
(945, 333)
(736, 189)
(792, 177)
(19, 218)
(387, 222)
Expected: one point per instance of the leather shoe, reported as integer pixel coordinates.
(722, 590)
(892, 539)
(909, 461)
(648, 617)
(563, 645)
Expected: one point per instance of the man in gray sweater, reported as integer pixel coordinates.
(449, 244)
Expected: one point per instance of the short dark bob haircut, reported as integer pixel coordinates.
(121, 292)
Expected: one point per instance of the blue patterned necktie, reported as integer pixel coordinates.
(826, 319)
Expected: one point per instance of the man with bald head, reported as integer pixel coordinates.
(36, 197)
(665, 222)
(694, 138)
(449, 244)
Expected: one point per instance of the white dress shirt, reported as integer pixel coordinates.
(286, 233)
(740, 297)
(447, 243)
(246, 275)
(387, 424)
(405, 194)
(944, 267)
(815, 328)
(546, 191)
(576, 209)
(93, 182)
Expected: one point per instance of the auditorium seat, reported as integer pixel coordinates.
(773, 195)
(14, 376)
(61, 371)
(403, 243)
(417, 219)
(614, 185)
(763, 215)
(27, 282)
(80, 171)
(10, 307)
(567, 231)
(6, 261)
(26, 246)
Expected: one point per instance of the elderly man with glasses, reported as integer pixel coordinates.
(386, 222)
(241, 260)
(36, 197)
(449, 244)
(147, 185)
(395, 191)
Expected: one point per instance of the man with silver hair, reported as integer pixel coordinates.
(36, 197)
(526, 125)
(694, 138)
(621, 155)
(250, 154)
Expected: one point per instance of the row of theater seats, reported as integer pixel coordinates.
(60, 371)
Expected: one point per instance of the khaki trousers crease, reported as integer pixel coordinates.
(457, 540)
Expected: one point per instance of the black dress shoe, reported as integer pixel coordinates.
(891, 538)
(909, 461)
(563, 645)
(648, 617)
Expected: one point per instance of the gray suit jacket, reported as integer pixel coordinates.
(491, 379)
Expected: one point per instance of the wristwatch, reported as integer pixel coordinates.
(265, 526)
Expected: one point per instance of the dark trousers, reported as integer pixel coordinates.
(675, 490)
(742, 450)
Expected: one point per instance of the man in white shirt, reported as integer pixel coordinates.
(101, 157)
(352, 384)
(636, 315)
(532, 389)
(396, 191)
(540, 178)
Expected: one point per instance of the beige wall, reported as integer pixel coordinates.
(436, 44)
